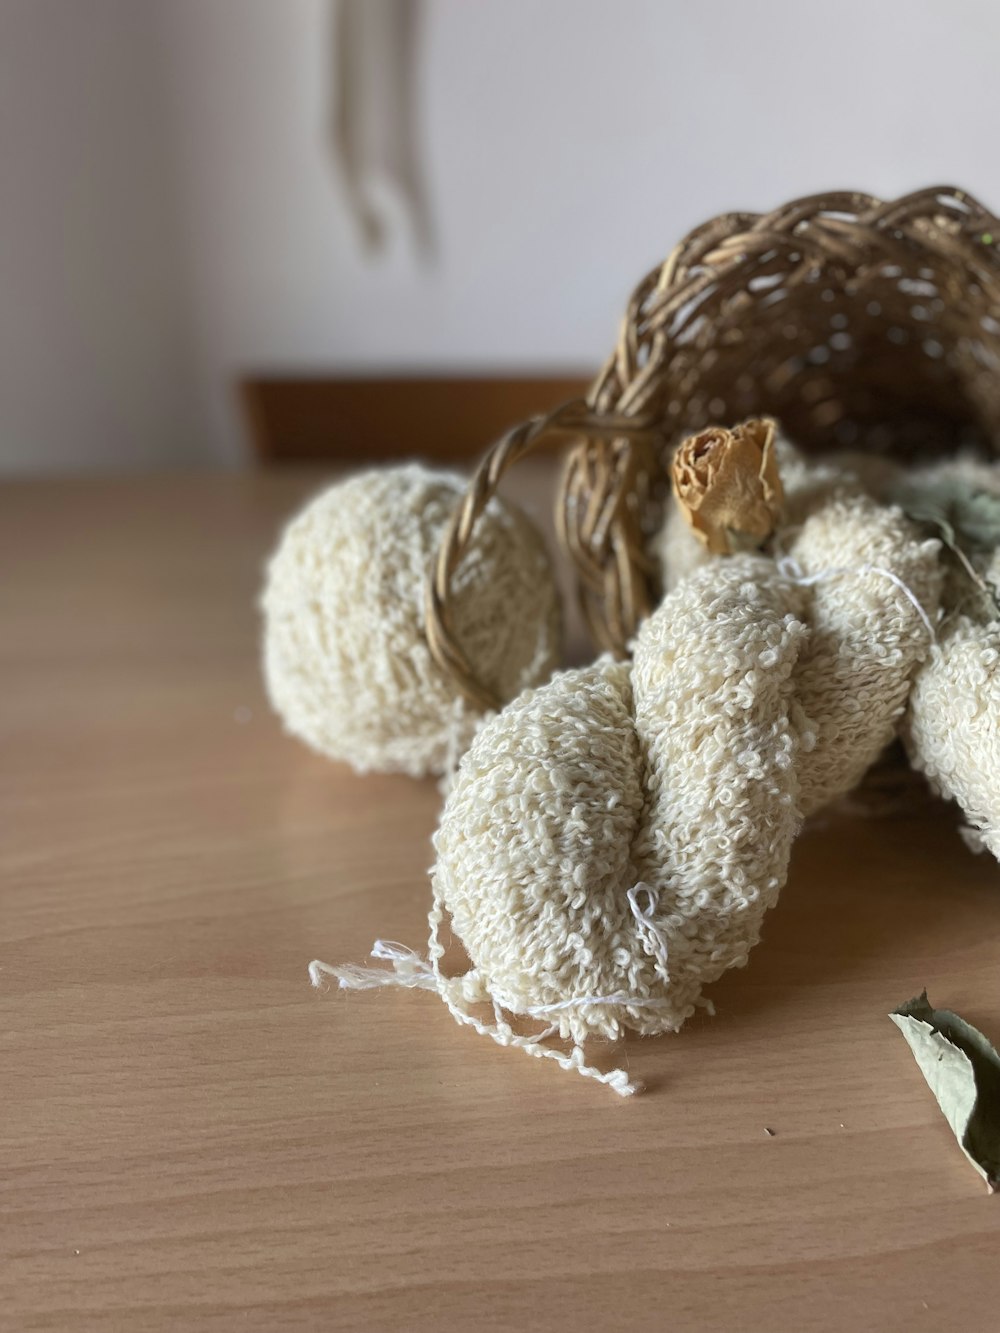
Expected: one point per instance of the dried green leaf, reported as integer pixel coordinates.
(958, 503)
(962, 1070)
(964, 514)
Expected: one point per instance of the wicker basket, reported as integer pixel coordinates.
(857, 323)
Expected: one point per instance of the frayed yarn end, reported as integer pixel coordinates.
(408, 970)
(411, 971)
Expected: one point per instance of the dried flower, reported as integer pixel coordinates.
(728, 487)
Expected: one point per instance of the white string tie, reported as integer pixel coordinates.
(645, 920)
(789, 568)
(578, 1002)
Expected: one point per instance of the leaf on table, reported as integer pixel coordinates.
(962, 1070)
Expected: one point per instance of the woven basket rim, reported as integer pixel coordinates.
(611, 472)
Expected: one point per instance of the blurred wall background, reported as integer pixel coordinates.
(171, 213)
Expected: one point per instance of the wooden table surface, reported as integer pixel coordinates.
(192, 1138)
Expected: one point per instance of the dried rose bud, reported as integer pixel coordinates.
(728, 487)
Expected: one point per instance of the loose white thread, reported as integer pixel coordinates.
(578, 1002)
(646, 922)
(645, 919)
(501, 1031)
(412, 971)
(408, 970)
(789, 568)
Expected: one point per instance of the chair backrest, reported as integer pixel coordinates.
(441, 417)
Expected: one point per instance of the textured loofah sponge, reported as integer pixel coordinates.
(345, 659)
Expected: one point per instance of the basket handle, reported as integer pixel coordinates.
(575, 417)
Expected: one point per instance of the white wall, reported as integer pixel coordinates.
(569, 144)
(95, 359)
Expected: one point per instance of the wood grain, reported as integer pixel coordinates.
(193, 1139)
(451, 417)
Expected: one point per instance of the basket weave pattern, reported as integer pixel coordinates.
(855, 322)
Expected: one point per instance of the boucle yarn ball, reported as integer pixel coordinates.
(952, 728)
(613, 839)
(952, 731)
(346, 662)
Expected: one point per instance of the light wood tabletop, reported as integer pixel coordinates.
(193, 1138)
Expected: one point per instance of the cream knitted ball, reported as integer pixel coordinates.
(346, 662)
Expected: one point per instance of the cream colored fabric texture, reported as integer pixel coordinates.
(952, 731)
(677, 552)
(952, 727)
(346, 662)
(751, 700)
(613, 839)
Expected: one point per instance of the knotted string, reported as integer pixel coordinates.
(645, 920)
